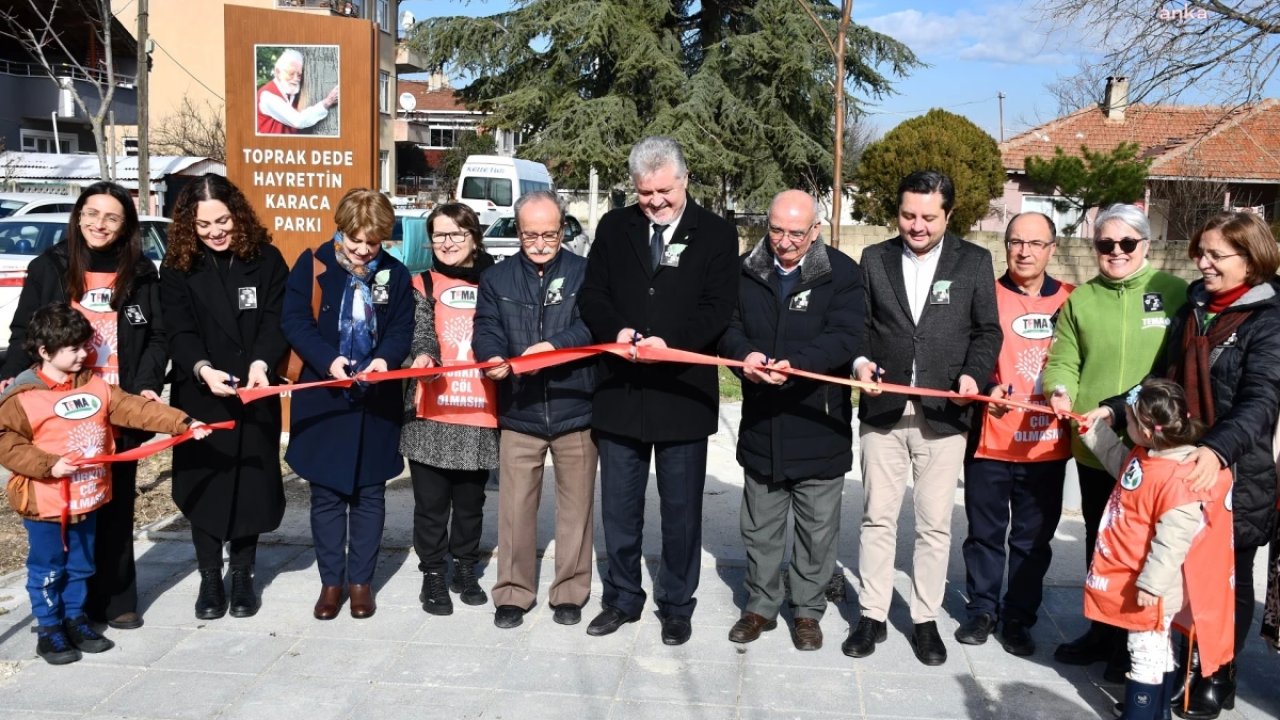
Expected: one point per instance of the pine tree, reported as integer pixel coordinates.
(1095, 179)
(744, 85)
(938, 140)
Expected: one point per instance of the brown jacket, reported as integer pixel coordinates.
(25, 460)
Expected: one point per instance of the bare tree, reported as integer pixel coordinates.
(1230, 49)
(1187, 203)
(1082, 89)
(838, 48)
(37, 27)
(192, 130)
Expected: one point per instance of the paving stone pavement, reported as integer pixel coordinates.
(284, 665)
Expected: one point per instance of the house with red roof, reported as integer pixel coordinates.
(1203, 159)
(430, 120)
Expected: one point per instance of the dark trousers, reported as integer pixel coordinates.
(1024, 502)
(1244, 595)
(243, 550)
(1095, 490)
(436, 492)
(113, 589)
(681, 468)
(347, 531)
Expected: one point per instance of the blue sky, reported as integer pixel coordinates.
(976, 49)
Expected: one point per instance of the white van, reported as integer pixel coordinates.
(491, 184)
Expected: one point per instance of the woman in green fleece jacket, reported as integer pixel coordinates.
(1108, 336)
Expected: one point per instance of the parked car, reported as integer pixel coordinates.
(23, 237)
(500, 239)
(16, 203)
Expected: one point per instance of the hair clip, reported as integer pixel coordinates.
(1159, 428)
(1132, 399)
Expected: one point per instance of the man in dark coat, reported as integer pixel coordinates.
(662, 273)
(800, 304)
(527, 305)
(931, 323)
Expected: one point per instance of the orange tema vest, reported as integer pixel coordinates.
(103, 358)
(65, 422)
(466, 397)
(1021, 436)
(1148, 488)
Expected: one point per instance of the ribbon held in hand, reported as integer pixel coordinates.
(151, 448)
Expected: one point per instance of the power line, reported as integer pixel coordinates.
(925, 110)
(185, 70)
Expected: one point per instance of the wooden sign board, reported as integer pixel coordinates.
(302, 117)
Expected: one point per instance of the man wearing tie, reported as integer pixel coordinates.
(662, 273)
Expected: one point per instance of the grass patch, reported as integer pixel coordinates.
(730, 385)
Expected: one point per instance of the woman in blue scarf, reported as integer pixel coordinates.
(344, 442)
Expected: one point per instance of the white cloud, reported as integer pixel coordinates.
(997, 33)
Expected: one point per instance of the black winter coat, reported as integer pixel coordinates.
(518, 308)
(687, 305)
(140, 327)
(229, 484)
(801, 429)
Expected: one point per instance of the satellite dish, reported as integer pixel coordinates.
(408, 102)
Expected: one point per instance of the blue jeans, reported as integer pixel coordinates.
(57, 579)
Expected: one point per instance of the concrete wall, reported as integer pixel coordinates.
(1075, 260)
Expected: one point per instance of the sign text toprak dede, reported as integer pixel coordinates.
(288, 176)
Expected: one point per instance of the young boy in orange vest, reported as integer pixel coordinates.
(50, 417)
(1164, 551)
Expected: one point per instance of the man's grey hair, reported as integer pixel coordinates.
(817, 206)
(654, 153)
(540, 195)
(1130, 215)
(289, 56)
(1053, 227)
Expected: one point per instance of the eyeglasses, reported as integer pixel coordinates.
(91, 217)
(451, 237)
(1214, 256)
(1034, 245)
(551, 237)
(796, 235)
(1127, 245)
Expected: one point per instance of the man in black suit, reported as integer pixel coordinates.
(662, 273)
(931, 323)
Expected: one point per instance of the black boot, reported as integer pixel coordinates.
(1212, 695)
(1117, 669)
(1172, 681)
(464, 583)
(1087, 649)
(211, 603)
(1186, 678)
(244, 601)
(435, 594)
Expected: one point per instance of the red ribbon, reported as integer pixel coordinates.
(151, 448)
(539, 361)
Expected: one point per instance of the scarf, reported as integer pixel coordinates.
(357, 321)
(1191, 367)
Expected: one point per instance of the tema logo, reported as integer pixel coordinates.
(459, 298)
(78, 406)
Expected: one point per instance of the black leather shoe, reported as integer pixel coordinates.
(976, 630)
(749, 628)
(1091, 647)
(927, 643)
(1213, 694)
(1015, 638)
(465, 584)
(244, 600)
(84, 637)
(211, 602)
(566, 614)
(864, 636)
(676, 630)
(435, 594)
(508, 616)
(609, 620)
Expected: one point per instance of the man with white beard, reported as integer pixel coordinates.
(529, 304)
(278, 112)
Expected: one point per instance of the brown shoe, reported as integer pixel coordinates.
(362, 604)
(806, 634)
(749, 627)
(328, 603)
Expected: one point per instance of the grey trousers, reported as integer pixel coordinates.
(815, 505)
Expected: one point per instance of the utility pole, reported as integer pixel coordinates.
(1001, 98)
(144, 100)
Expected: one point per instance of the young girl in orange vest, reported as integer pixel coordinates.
(1156, 534)
(50, 417)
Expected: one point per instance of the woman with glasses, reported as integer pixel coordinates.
(1224, 349)
(450, 433)
(1108, 336)
(100, 269)
(223, 288)
(348, 309)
